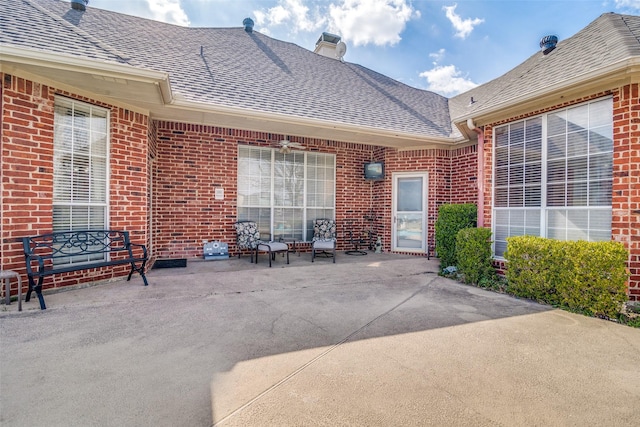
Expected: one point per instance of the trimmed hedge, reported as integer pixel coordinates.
(585, 277)
(451, 219)
(473, 252)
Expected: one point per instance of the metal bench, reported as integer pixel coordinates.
(67, 251)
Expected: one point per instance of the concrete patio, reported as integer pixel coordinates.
(372, 340)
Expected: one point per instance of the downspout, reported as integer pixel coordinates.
(481, 175)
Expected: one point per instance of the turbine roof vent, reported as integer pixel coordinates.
(248, 25)
(548, 43)
(80, 5)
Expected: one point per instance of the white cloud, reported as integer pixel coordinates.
(169, 11)
(447, 80)
(359, 22)
(463, 27)
(292, 13)
(627, 4)
(379, 22)
(437, 56)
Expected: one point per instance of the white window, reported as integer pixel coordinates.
(284, 193)
(80, 166)
(553, 175)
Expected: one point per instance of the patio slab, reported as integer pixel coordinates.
(373, 340)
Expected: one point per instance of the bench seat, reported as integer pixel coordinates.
(67, 251)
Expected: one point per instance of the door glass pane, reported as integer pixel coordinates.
(409, 196)
(409, 233)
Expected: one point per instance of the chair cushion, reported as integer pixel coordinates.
(323, 244)
(324, 229)
(247, 234)
(275, 246)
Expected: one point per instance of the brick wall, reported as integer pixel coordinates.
(626, 179)
(625, 226)
(27, 173)
(193, 160)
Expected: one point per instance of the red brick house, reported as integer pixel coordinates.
(173, 133)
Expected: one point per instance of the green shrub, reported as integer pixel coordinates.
(534, 268)
(599, 277)
(451, 219)
(585, 277)
(473, 252)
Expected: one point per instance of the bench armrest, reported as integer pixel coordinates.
(143, 247)
(29, 259)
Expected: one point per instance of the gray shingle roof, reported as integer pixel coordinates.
(609, 39)
(28, 25)
(253, 71)
(237, 69)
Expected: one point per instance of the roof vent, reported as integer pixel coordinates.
(248, 25)
(548, 43)
(80, 5)
(329, 45)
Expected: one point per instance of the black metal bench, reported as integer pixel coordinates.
(67, 251)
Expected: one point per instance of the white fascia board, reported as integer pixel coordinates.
(315, 123)
(61, 61)
(626, 69)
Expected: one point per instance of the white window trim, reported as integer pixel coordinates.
(543, 208)
(305, 207)
(107, 202)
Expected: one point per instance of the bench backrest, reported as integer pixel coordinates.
(76, 246)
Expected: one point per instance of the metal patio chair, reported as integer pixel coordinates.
(248, 237)
(324, 238)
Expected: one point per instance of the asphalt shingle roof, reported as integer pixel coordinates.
(229, 67)
(608, 39)
(236, 68)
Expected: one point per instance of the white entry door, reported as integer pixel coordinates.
(409, 228)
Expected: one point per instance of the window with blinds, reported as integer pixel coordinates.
(553, 175)
(284, 193)
(80, 166)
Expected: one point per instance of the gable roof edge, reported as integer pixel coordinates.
(622, 72)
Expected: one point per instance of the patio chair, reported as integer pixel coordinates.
(248, 237)
(324, 238)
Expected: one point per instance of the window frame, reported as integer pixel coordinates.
(81, 169)
(544, 209)
(257, 211)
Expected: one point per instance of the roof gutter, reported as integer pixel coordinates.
(25, 56)
(627, 68)
(285, 119)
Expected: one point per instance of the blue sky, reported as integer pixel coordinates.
(445, 47)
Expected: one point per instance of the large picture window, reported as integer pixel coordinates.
(553, 175)
(80, 166)
(284, 193)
